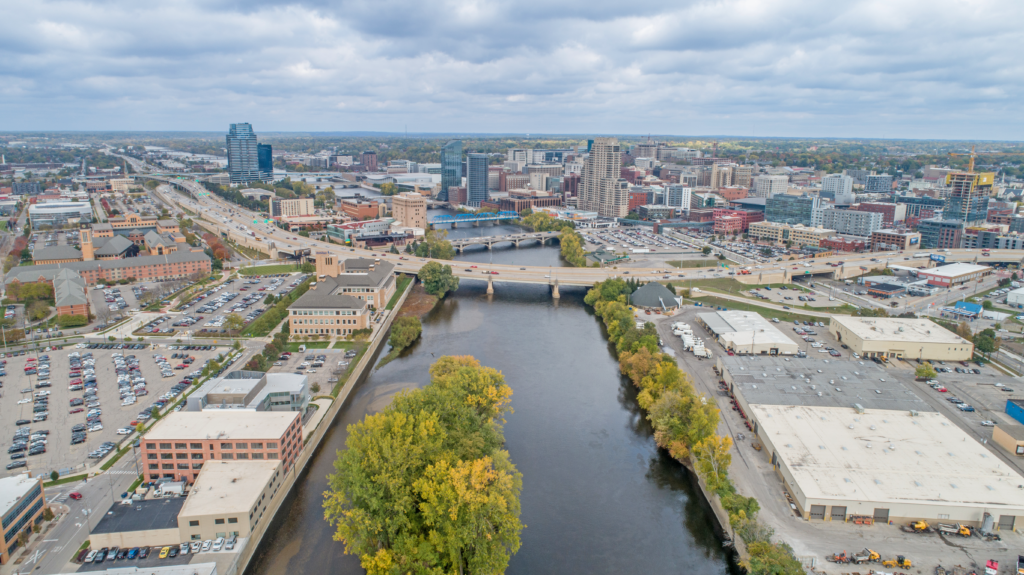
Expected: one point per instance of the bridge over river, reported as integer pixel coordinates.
(516, 239)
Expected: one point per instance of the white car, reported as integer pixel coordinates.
(218, 544)
(96, 427)
(207, 544)
(124, 431)
(26, 400)
(194, 548)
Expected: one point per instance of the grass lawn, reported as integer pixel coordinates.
(63, 480)
(730, 285)
(785, 316)
(294, 345)
(266, 270)
(403, 281)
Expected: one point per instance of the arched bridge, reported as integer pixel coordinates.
(489, 241)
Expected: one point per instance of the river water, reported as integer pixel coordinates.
(598, 496)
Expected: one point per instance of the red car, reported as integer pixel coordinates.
(75, 495)
(75, 382)
(76, 410)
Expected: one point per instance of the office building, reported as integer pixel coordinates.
(838, 188)
(178, 445)
(369, 161)
(796, 235)
(179, 264)
(359, 208)
(476, 179)
(893, 240)
(602, 189)
(743, 176)
(910, 338)
(229, 499)
(654, 212)
(410, 210)
(59, 214)
(21, 506)
(941, 233)
(265, 161)
(968, 197)
(451, 168)
(769, 186)
(253, 390)
(677, 196)
(722, 175)
(243, 159)
(362, 278)
(732, 220)
(787, 209)
(852, 223)
(291, 208)
(878, 183)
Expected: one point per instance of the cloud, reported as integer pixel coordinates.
(872, 68)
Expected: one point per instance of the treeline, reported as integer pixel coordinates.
(570, 241)
(685, 422)
(425, 486)
(273, 316)
(233, 195)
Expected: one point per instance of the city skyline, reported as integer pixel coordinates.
(860, 70)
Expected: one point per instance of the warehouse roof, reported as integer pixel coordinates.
(746, 328)
(897, 329)
(954, 270)
(880, 455)
(229, 486)
(819, 382)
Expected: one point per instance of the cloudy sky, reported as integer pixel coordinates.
(882, 68)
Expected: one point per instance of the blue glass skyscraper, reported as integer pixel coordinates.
(451, 168)
(476, 179)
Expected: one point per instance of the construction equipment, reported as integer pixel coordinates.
(899, 561)
(991, 567)
(838, 558)
(866, 556)
(916, 527)
(973, 155)
(1020, 565)
(957, 529)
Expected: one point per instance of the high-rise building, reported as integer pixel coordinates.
(243, 163)
(768, 186)
(968, 197)
(838, 188)
(743, 176)
(941, 234)
(369, 161)
(476, 179)
(678, 196)
(602, 190)
(410, 210)
(787, 209)
(265, 161)
(451, 168)
(850, 222)
(722, 175)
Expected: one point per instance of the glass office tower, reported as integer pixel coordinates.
(451, 168)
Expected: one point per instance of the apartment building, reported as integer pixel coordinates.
(891, 212)
(940, 233)
(175, 265)
(888, 239)
(602, 190)
(849, 222)
(178, 445)
(768, 186)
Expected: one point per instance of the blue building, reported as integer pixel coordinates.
(451, 168)
(265, 161)
(476, 179)
(243, 163)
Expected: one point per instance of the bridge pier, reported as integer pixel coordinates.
(476, 224)
(490, 285)
(554, 291)
(455, 225)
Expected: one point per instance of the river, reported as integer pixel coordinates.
(598, 496)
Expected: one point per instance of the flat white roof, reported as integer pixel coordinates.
(954, 270)
(228, 486)
(187, 569)
(12, 489)
(836, 453)
(745, 328)
(898, 329)
(222, 425)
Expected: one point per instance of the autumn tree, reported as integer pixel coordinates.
(234, 322)
(438, 279)
(925, 371)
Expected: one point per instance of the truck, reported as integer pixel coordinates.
(921, 255)
(639, 250)
(953, 529)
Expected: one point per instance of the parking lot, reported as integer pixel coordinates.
(152, 558)
(53, 238)
(208, 311)
(320, 366)
(19, 389)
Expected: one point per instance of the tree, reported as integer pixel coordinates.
(388, 189)
(54, 476)
(436, 245)
(66, 320)
(963, 330)
(38, 310)
(987, 304)
(404, 331)
(393, 249)
(315, 388)
(925, 371)
(48, 513)
(437, 279)
(234, 323)
(424, 486)
(713, 460)
(706, 250)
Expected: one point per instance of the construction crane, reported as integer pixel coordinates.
(972, 154)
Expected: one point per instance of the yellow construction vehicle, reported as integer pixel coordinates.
(917, 527)
(899, 561)
(866, 556)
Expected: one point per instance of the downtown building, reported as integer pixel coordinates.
(602, 189)
(243, 154)
(838, 188)
(968, 199)
(451, 169)
(852, 223)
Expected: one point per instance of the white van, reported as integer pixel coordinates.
(302, 348)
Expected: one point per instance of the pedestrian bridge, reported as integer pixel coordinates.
(456, 219)
(489, 241)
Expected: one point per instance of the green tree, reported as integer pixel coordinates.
(388, 189)
(438, 279)
(315, 388)
(706, 250)
(234, 323)
(38, 310)
(987, 304)
(925, 371)
(436, 245)
(404, 331)
(572, 248)
(632, 216)
(425, 486)
(54, 476)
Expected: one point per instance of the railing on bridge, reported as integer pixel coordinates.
(482, 217)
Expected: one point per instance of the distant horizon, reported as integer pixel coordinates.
(524, 135)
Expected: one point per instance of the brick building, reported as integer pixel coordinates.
(727, 220)
(883, 240)
(845, 244)
(891, 213)
(733, 193)
(177, 446)
(360, 208)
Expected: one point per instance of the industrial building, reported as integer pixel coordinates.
(848, 439)
(745, 332)
(228, 499)
(954, 274)
(911, 338)
(253, 390)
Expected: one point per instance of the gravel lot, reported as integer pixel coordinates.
(60, 453)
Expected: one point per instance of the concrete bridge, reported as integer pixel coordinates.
(489, 241)
(474, 218)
